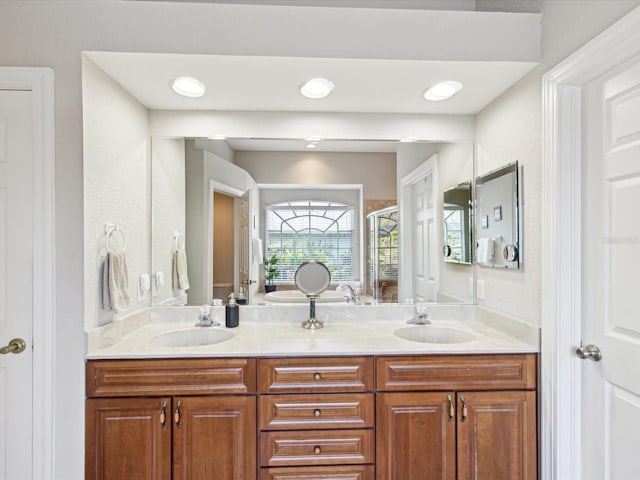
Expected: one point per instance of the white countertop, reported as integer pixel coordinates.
(276, 331)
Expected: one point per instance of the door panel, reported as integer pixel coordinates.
(125, 438)
(415, 437)
(16, 287)
(215, 438)
(611, 273)
(496, 435)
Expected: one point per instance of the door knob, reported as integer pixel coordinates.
(248, 282)
(590, 351)
(17, 345)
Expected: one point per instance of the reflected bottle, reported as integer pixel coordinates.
(232, 312)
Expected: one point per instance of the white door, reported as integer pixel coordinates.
(425, 273)
(247, 232)
(611, 275)
(16, 284)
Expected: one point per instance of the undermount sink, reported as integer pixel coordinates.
(433, 334)
(191, 337)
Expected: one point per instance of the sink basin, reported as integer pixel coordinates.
(191, 337)
(433, 334)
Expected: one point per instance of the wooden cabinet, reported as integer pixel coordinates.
(313, 418)
(316, 418)
(470, 433)
(171, 437)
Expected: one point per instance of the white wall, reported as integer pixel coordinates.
(116, 186)
(169, 209)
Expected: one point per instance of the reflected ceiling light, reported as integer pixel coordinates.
(317, 88)
(409, 140)
(218, 136)
(311, 145)
(188, 87)
(442, 91)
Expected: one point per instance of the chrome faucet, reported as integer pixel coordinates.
(352, 295)
(205, 319)
(422, 317)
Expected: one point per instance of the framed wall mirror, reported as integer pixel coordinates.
(457, 216)
(498, 218)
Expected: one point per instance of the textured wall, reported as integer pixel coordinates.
(116, 185)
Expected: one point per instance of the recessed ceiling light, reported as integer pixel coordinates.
(311, 145)
(188, 87)
(409, 140)
(218, 136)
(317, 88)
(442, 91)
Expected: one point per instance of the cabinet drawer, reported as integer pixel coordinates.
(469, 372)
(129, 378)
(297, 375)
(328, 447)
(295, 412)
(351, 472)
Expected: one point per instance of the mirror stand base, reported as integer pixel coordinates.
(312, 324)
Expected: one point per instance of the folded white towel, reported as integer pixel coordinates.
(258, 257)
(485, 251)
(115, 282)
(180, 277)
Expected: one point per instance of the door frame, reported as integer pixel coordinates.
(560, 425)
(40, 82)
(405, 222)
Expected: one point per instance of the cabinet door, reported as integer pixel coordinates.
(415, 436)
(214, 438)
(497, 435)
(128, 438)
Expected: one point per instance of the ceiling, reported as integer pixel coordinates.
(260, 83)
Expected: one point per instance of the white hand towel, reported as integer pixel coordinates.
(485, 251)
(115, 282)
(258, 257)
(180, 277)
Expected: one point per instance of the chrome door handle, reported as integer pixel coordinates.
(17, 345)
(590, 351)
(248, 282)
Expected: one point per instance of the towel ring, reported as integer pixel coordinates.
(110, 230)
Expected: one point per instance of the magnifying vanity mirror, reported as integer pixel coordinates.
(497, 220)
(312, 278)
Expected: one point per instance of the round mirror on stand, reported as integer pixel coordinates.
(312, 278)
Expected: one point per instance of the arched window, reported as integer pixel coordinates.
(311, 230)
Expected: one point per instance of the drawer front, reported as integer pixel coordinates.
(128, 378)
(469, 372)
(352, 472)
(313, 411)
(307, 375)
(329, 447)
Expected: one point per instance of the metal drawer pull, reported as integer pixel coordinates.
(452, 409)
(465, 410)
(163, 415)
(317, 450)
(316, 412)
(176, 415)
(317, 376)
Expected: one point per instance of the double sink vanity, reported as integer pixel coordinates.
(368, 396)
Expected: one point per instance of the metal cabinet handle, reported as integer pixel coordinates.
(176, 415)
(163, 415)
(452, 409)
(317, 450)
(316, 412)
(17, 345)
(465, 410)
(317, 376)
(590, 351)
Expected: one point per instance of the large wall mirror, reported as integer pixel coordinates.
(197, 208)
(498, 218)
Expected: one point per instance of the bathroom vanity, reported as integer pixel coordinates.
(348, 408)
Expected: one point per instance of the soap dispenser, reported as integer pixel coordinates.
(232, 312)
